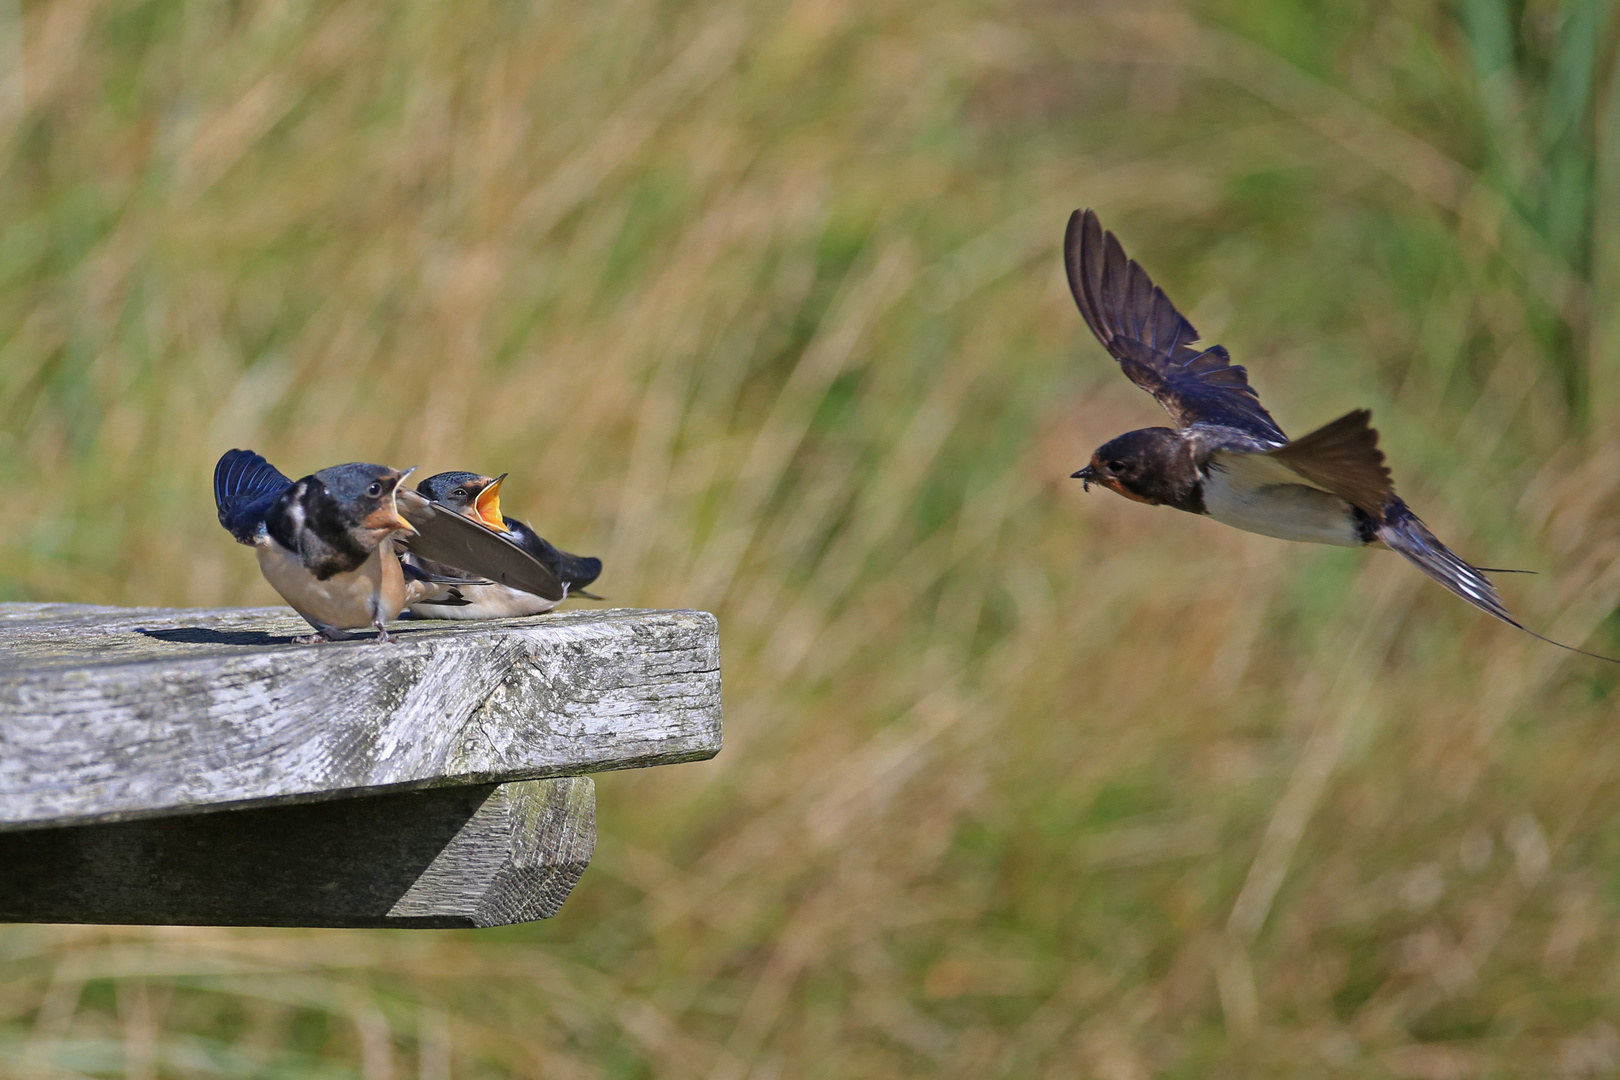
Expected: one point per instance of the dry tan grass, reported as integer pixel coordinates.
(763, 304)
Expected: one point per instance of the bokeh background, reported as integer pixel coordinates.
(763, 303)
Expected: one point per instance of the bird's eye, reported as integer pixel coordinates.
(374, 490)
(459, 493)
(1115, 466)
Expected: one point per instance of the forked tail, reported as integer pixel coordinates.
(1404, 532)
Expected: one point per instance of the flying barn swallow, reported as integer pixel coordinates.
(330, 543)
(478, 498)
(1226, 457)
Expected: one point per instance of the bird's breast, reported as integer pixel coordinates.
(1283, 510)
(346, 601)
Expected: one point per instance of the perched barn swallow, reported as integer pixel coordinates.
(478, 498)
(329, 543)
(1226, 457)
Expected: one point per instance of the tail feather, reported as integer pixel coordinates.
(576, 571)
(1402, 531)
(245, 485)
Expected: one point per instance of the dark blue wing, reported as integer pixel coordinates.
(245, 487)
(1153, 343)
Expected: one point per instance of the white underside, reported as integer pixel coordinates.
(1256, 494)
(353, 601)
(486, 602)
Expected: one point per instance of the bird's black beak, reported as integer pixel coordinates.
(1085, 476)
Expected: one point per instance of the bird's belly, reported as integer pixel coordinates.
(486, 602)
(1286, 511)
(350, 601)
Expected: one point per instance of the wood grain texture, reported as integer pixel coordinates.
(115, 713)
(475, 856)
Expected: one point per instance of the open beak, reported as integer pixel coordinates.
(488, 505)
(1085, 476)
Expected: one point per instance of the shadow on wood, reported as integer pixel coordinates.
(474, 856)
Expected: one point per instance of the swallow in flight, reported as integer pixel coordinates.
(478, 498)
(330, 543)
(1226, 457)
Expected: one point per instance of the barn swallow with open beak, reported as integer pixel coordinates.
(1226, 457)
(478, 498)
(330, 543)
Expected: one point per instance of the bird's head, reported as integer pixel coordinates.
(468, 494)
(1141, 465)
(359, 499)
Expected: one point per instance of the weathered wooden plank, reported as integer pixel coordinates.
(115, 713)
(483, 855)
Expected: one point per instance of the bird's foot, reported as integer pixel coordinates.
(382, 637)
(311, 639)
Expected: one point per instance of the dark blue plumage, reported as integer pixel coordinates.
(575, 571)
(1154, 344)
(245, 487)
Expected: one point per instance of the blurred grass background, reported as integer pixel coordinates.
(763, 303)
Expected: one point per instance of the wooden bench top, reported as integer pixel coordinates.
(122, 729)
(110, 713)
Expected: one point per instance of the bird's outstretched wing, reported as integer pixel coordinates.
(1152, 341)
(444, 536)
(245, 485)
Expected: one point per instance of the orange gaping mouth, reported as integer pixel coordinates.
(488, 505)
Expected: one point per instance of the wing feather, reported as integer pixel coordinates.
(1141, 328)
(245, 486)
(1343, 457)
(446, 537)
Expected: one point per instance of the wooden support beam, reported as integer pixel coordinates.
(476, 856)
